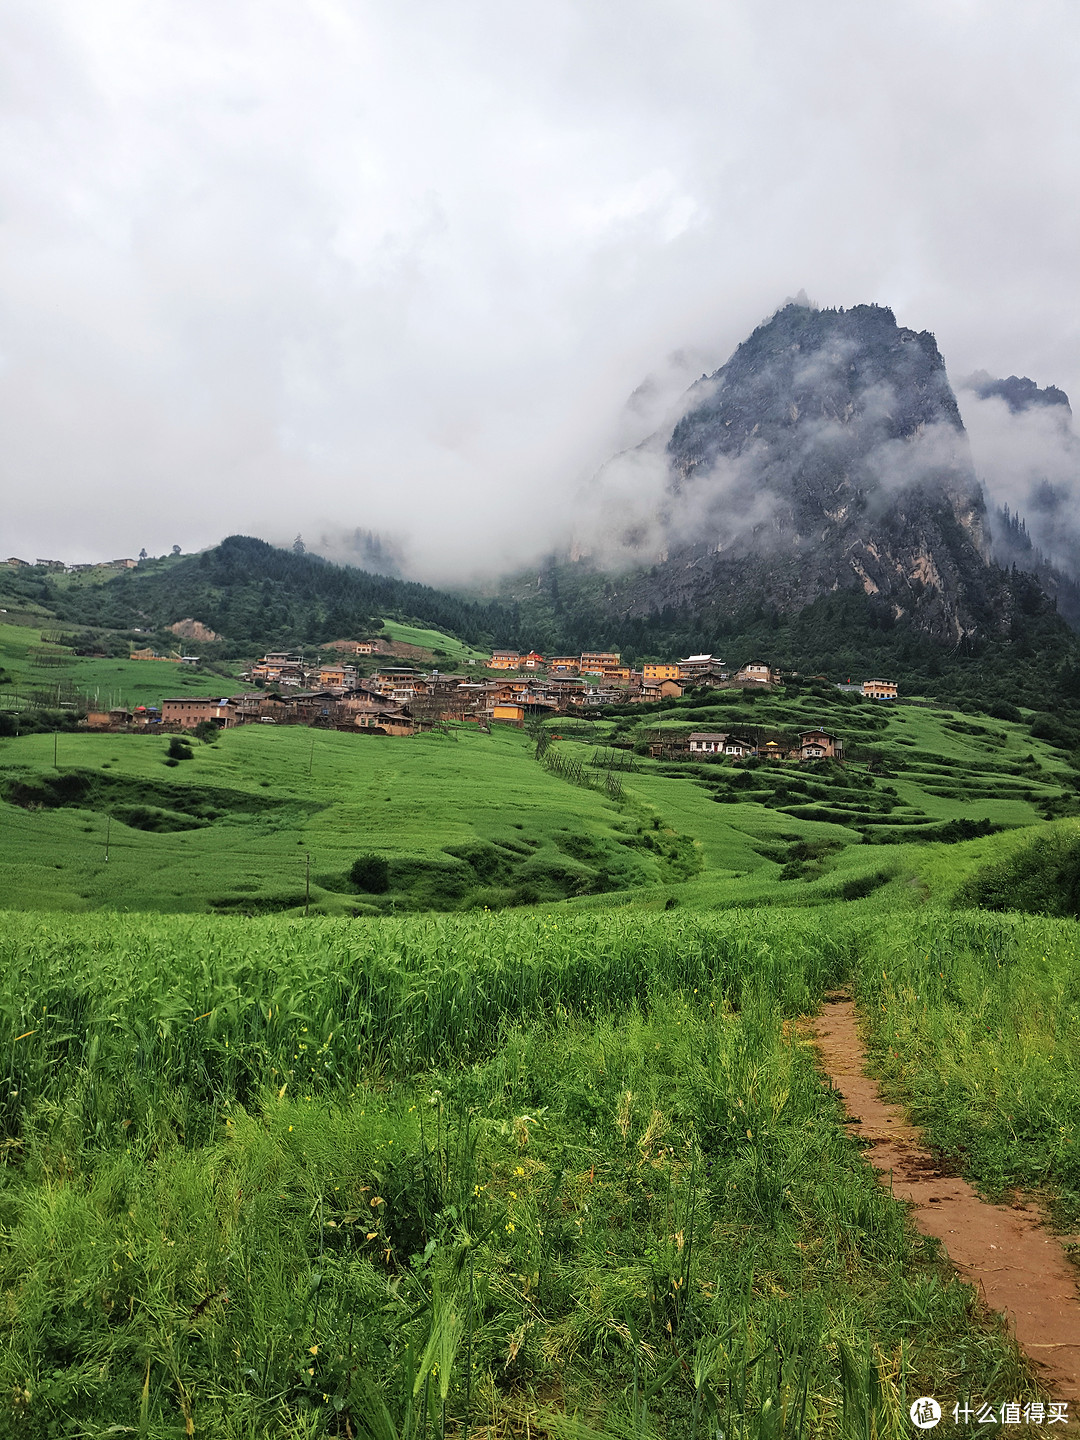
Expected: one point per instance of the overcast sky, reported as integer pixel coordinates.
(281, 265)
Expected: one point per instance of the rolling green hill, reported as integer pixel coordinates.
(272, 818)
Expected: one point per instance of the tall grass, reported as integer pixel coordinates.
(417, 1178)
(974, 1021)
(143, 1016)
(639, 1225)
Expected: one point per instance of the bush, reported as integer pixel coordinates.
(1002, 710)
(180, 749)
(1042, 878)
(370, 873)
(1050, 729)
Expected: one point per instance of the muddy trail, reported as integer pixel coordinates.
(1019, 1266)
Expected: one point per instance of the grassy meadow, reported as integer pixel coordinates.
(270, 818)
(516, 1131)
(105, 681)
(439, 646)
(429, 1175)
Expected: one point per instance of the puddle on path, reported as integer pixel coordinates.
(1020, 1267)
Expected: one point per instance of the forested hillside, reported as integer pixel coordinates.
(247, 590)
(255, 595)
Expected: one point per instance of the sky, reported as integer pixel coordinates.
(283, 266)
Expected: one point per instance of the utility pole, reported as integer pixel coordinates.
(307, 882)
(55, 742)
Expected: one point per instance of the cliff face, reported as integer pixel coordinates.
(828, 452)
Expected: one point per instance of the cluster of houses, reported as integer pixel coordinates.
(400, 699)
(62, 567)
(614, 683)
(816, 744)
(655, 680)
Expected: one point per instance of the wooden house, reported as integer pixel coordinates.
(660, 689)
(189, 711)
(820, 744)
(510, 714)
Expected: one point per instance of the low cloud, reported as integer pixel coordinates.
(1029, 460)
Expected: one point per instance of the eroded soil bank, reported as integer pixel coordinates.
(1019, 1265)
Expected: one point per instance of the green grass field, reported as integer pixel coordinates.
(435, 641)
(275, 1177)
(271, 818)
(104, 682)
(518, 1133)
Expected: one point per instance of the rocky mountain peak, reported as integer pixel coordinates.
(827, 453)
(1018, 391)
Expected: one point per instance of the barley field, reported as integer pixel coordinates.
(568, 1174)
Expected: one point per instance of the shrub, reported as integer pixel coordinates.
(1050, 729)
(179, 748)
(370, 873)
(1002, 710)
(1043, 878)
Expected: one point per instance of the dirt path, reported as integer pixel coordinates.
(1019, 1266)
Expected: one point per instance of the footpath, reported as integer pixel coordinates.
(1019, 1266)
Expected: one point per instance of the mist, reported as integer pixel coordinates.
(419, 272)
(1029, 461)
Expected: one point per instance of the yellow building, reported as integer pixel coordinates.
(665, 671)
(504, 660)
(879, 689)
(514, 714)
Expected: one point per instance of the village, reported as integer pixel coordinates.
(516, 687)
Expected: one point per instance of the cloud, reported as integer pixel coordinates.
(328, 265)
(1029, 460)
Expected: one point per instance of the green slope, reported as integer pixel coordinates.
(471, 819)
